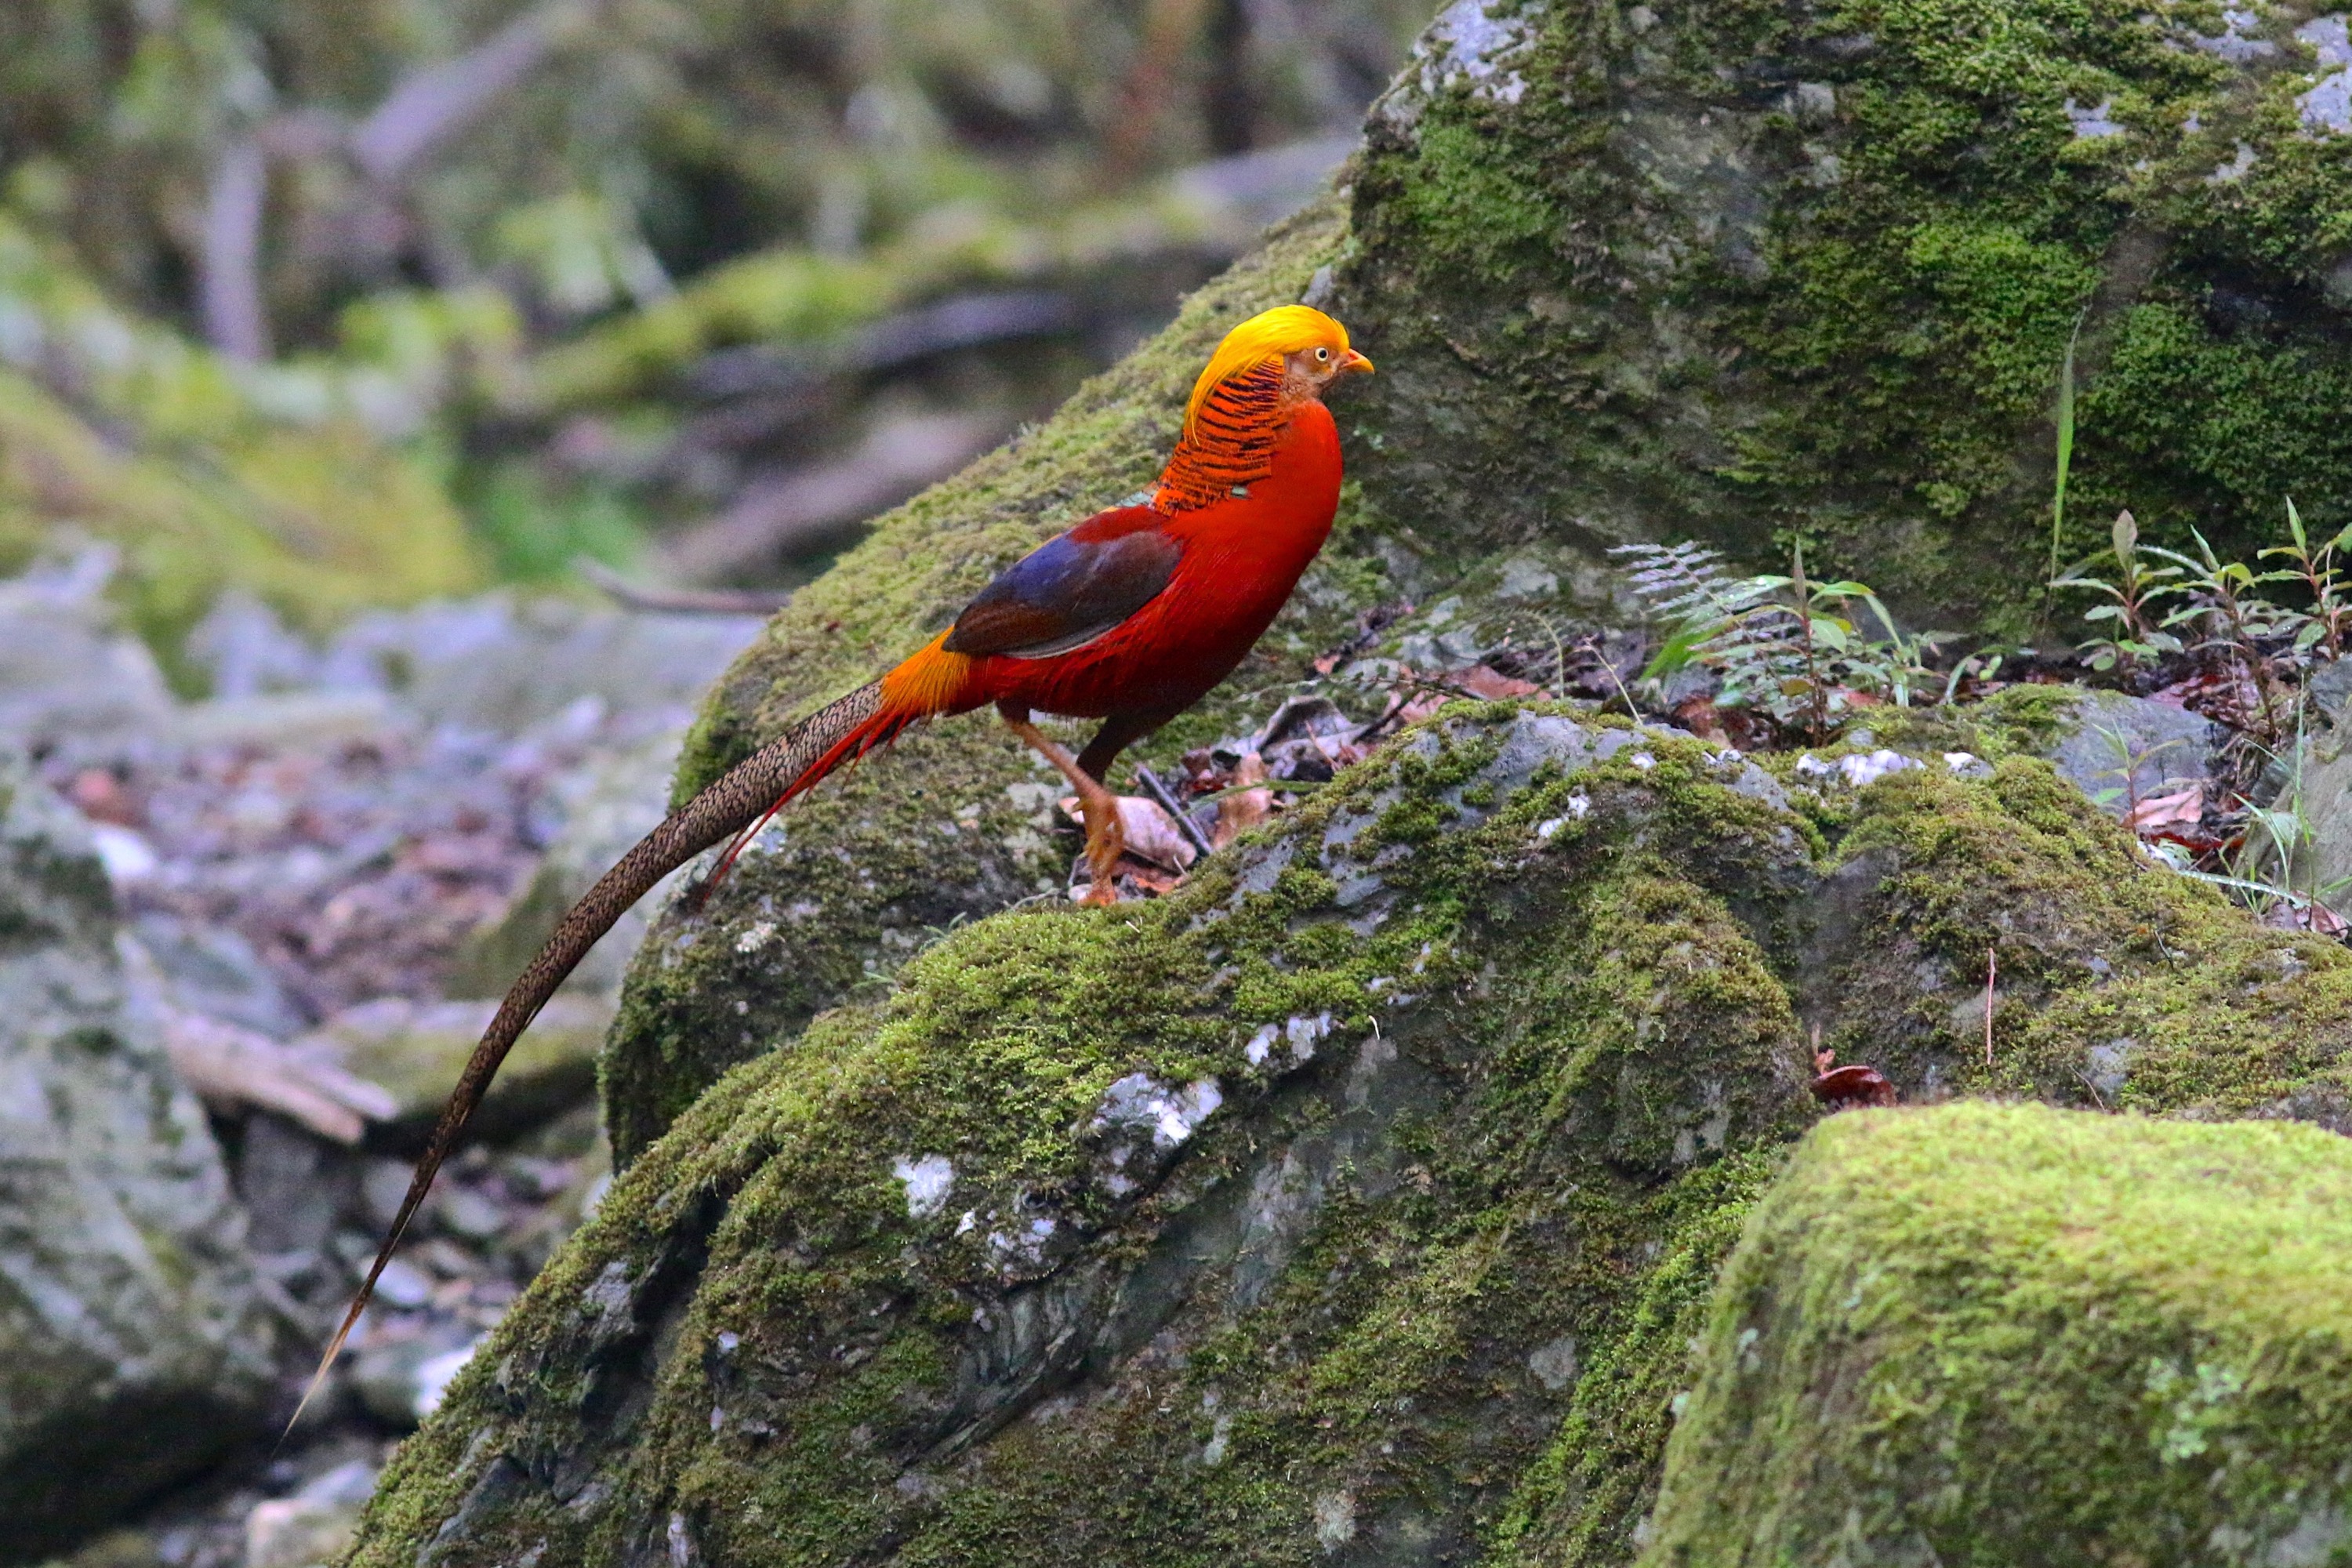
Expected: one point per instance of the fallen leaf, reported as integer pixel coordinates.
(2317, 919)
(1245, 809)
(1151, 835)
(1698, 716)
(1486, 681)
(2183, 807)
(1852, 1084)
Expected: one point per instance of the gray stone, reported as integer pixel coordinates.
(2117, 747)
(214, 971)
(607, 807)
(69, 681)
(502, 664)
(132, 1352)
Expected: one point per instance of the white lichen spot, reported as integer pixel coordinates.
(1870, 769)
(1139, 1102)
(1644, 761)
(1967, 765)
(1812, 767)
(728, 1340)
(1302, 1034)
(2093, 124)
(1261, 1044)
(757, 935)
(1335, 1520)
(1466, 44)
(1554, 1362)
(2328, 105)
(964, 1225)
(2235, 169)
(1220, 1431)
(1576, 809)
(681, 1545)
(927, 1181)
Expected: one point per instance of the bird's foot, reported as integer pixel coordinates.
(1106, 844)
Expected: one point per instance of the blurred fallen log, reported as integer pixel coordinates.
(441, 101)
(677, 600)
(793, 512)
(762, 391)
(961, 321)
(1210, 212)
(233, 1069)
(229, 289)
(1270, 183)
(423, 111)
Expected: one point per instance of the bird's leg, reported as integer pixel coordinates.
(1105, 842)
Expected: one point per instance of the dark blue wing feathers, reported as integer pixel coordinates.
(1068, 591)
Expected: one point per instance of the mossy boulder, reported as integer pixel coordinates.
(134, 1351)
(1991, 1334)
(1750, 271)
(1357, 1203)
(1754, 273)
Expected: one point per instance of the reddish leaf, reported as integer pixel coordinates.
(1238, 813)
(2183, 807)
(1492, 684)
(1852, 1084)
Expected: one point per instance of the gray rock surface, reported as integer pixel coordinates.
(2117, 747)
(506, 664)
(130, 1350)
(66, 678)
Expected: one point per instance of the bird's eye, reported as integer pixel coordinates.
(1322, 353)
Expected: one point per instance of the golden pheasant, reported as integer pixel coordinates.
(1129, 618)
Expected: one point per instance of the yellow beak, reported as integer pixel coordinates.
(1351, 360)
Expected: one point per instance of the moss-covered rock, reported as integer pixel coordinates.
(1984, 1334)
(1754, 273)
(1356, 1203)
(1720, 266)
(133, 1345)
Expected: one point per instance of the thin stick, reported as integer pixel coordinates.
(677, 601)
(1184, 823)
(1993, 968)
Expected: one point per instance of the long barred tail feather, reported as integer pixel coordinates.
(747, 794)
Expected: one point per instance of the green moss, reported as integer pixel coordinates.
(1994, 1334)
(1355, 1253)
(1764, 275)
(1430, 1290)
(2118, 983)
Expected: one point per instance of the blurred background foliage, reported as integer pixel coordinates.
(357, 301)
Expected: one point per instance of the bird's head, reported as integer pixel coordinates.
(1311, 347)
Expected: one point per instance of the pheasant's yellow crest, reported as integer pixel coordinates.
(1269, 334)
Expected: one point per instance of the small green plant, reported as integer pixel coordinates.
(2065, 448)
(2325, 624)
(1786, 646)
(2133, 634)
(2274, 868)
(2228, 614)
